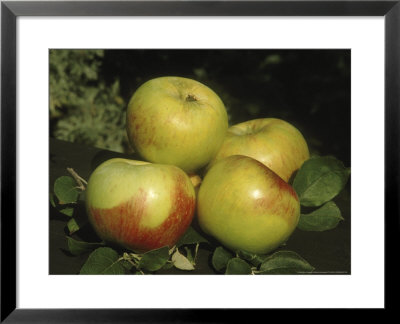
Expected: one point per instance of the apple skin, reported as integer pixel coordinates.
(273, 142)
(174, 120)
(246, 206)
(139, 205)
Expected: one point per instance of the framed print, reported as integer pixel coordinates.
(267, 139)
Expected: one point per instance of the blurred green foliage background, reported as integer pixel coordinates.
(89, 90)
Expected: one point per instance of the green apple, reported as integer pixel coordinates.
(139, 205)
(273, 142)
(246, 206)
(174, 120)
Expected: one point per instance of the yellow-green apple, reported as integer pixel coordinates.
(246, 206)
(139, 205)
(175, 120)
(273, 142)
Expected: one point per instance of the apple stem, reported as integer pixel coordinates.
(79, 180)
(195, 180)
(191, 97)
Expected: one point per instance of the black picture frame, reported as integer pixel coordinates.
(10, 10)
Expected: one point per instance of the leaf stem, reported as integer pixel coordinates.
(134, 256)
(79, 180)
(172, 250)
(195, 253)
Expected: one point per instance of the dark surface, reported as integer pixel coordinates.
(328, 252)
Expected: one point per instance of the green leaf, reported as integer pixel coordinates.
(52, 202)
(191, 236)
(79, 247)
(181, 262)
(72, 226)
(65, 190)
(126, 264)
(167, 266)
(154, 260)
(189, 255)
(285, 262)
(221, 258)
(103, 260)
(77, 222)
(324, 218)
(254, 259)
(67, 211)
(319, 180)
(238, 266)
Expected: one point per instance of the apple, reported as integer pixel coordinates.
(139, 205)
(175, 120)
(273, 142)
(246, 206)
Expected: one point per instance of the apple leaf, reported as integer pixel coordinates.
(168, 265)
(127, 265)
(191, 236)
(324, 218)
(285, 262)
(67, 211)
(319, 180)
(79, 247)
(189, 255)
(181, 262)
(77, 222)
(254, 259)
(103, 260)
(154, 260)
(65, 190)
(238, 266)
(221, 258)
(52, 202)
(72, 226)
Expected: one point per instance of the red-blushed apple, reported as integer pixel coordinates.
(273, 142)
(246, 206)
(175, 120)
(139, 205)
